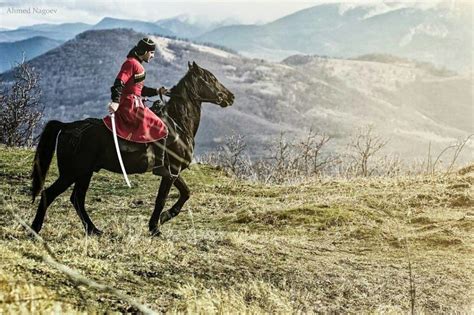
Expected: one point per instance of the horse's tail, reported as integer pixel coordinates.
(43, 155)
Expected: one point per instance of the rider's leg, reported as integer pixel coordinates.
(160, 169)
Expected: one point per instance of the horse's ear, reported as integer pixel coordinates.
(194, 68)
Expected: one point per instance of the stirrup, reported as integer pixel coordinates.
(160, 170)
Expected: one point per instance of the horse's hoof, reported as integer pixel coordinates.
(32, 235)
(165, 216)
(94, 232)
(155, 232)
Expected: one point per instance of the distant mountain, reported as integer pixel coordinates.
(138, 26)
(61, 32)
(31, 47)
(441, 35)
(64, 27)
(67, 31)
(186, 26)
(37, 39)
(413, 105)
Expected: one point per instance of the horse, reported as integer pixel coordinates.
(86, 146)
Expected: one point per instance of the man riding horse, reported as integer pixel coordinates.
(135, 122)
(87, 146)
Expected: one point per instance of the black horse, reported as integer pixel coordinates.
(86, 146)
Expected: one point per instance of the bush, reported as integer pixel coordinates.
(294, 161)
(20, 111)
(287, 161)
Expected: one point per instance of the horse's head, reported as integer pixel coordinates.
(208, 88)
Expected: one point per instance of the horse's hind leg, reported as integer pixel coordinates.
(47, 197)
(184, 194)
(78, 198)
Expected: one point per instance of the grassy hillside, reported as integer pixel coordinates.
(328, 246)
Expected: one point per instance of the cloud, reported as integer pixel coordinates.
(26, 14)
(91, 11)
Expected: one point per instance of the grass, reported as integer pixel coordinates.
(328, 245)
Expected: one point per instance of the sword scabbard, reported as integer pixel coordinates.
(114, 132)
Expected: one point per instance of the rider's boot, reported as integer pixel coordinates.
(160, 169)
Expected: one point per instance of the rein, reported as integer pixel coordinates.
(195, 95)
(218, 100)
(192, 96)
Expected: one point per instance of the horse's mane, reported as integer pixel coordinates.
(188, 82)
(181, 97)
(185, 82)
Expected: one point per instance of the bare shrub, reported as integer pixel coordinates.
(311, 159)
(389, 165)
(456, 148)
(283, 159)
(363, 148)
(20, 111)
(290, 161)
(230, 156)
(232, 152)
(300, 160)
(286, 162)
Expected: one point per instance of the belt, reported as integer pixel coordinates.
(137, 99)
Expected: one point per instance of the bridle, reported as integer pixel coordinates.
(195, 96)
(217, 100)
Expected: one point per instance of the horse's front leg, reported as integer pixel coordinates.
(163, 191)
(184, 194)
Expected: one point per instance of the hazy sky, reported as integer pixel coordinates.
(91, 11)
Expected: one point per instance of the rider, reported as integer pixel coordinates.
(134, 121)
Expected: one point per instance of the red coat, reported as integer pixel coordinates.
(134, 121)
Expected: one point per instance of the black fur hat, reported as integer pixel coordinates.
(146, 44)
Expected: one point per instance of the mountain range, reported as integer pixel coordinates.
(138, 26)
(28, 48)
(37, 39)
(412, 103)
(62, 32)
(440, 34)
(186, 26)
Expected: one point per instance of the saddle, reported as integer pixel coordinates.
(77, 129)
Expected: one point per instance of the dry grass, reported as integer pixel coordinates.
(322, 246)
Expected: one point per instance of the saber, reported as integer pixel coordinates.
(114, 131)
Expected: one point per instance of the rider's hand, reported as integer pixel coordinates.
(112, 107)
(163, 91)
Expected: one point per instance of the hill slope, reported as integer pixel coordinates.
(334, 96)
(323, 246)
